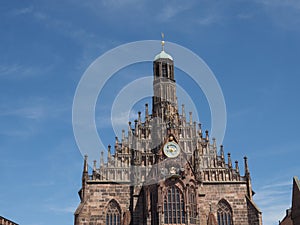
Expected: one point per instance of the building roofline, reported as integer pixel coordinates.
(253, 204)
(1, 217)
(297, 182)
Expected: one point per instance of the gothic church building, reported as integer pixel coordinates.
(165, 170)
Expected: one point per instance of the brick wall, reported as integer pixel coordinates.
(234, 193)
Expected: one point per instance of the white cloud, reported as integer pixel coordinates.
(60, 209)
(64, 27)
(283, 13)
(208, 20)
(22, 11)
(120, 3)
(281, 184)
(61, 26)
(19, 132)
(245, 16)
(23, 117)
(32, 109)
(169, 12)
(22, 71)
(34, 112)
(9, 69)
(281, 3)
(43, 183)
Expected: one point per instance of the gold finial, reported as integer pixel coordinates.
(162, 41)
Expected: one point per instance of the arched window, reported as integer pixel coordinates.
(224, 213)
(164, 70)
(113, 213)
(157, 70)
(193, 204)
(174, 211)
(153, 208)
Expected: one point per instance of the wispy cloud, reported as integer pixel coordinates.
(120, 3)
(27, 112)
(22, 11)
(281, 184)
(43, 183)
(281, 3)
(284, 13)
(245, 16)
(208, 20)
(290, 147)
(32, 109)
(62, 26)
(19, 71)
(172, 10)
(23, 118)
(62, 209)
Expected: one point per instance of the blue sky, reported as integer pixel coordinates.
(252, 46)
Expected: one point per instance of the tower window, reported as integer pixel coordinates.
(164, 70)
(157, 70)
(174, 211)
(171, 72)
(224, 213)
(113, 214)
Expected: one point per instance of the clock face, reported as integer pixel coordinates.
(171, 149)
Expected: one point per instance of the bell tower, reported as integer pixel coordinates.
(164, 87)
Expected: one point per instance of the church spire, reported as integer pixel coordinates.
(85, 177)
(164, 86)
(85, 165)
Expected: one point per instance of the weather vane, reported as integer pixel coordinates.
(162, 41)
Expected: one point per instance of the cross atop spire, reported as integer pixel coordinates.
(162, 41)
(163, 54)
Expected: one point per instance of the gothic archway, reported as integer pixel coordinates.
(193, 205)
(174, 209)
(113, 213)
(224, 213)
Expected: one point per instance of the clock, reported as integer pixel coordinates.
(171, 149)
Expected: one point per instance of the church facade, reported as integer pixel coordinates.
(166, 170)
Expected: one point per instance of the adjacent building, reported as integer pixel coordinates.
(4, 221)
(292, 216)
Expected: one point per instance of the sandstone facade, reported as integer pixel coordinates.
(166, 170)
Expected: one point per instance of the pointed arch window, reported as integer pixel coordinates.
(113, 213)
(164, 70)
(157, 70)
(174, 210)
(224, 213)
(193, 204)
(153, 208)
